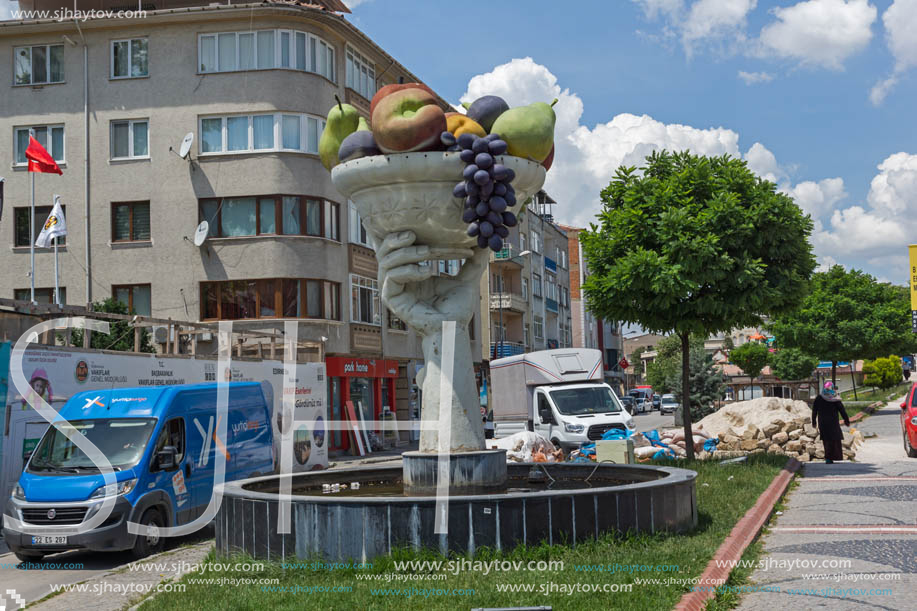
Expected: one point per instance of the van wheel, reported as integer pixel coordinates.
(29, 556)
(152, 543)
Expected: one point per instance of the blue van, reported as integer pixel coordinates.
(162, 444)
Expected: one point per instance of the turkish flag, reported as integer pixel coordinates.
(39, 159)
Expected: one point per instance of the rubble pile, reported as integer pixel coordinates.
(772, 425)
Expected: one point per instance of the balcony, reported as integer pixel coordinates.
(550, 265)
(508, 301)
(498, 350)
(509, 254)
(550, 305)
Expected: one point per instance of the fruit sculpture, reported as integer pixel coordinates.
(407, 118)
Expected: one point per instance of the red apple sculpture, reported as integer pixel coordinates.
(549, 160)
(408, 120)
(390, 89)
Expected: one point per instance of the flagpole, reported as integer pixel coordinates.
(32, 239)
(56, 283)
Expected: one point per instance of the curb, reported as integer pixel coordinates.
(871, 409)
(742, 535)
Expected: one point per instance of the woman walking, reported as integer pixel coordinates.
(825, 411)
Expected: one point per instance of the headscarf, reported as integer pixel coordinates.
(829, 393)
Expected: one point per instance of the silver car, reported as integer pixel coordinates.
(668, 404)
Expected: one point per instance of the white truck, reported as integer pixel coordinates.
(558, 394)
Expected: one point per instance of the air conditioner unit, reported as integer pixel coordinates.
(206, 336)
(160, 333)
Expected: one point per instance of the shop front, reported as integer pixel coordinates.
(368, 383)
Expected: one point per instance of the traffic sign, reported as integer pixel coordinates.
(623, 364)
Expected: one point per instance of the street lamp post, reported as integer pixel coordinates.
(500, 296)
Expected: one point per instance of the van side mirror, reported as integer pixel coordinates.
(546, 416)
(165, 458)
(904, 406)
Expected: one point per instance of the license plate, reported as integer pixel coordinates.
(49, 540)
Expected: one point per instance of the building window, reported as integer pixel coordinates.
(536, 285)
(130, 139)
(448, 267)
(525, 334)
(521, 242)
(563, 259)
(364, 305)
(498, 283)
(358, 233)
(42, 295)
(525, 289)
(270, 298)
(38, 65)
(536, 242)
(361, 76)
(129, 58)
(130, 222)
(49, 136)
(135, 296)
(538, 323)
(21, 222)
(265, 50)
(258, 133)
(270, 215)
(549, 290)
(395, 323)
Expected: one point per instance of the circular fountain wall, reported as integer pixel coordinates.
(585, 502)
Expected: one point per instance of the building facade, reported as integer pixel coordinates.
(112, 100)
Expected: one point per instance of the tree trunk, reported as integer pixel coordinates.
(853, 380)
(686, 393)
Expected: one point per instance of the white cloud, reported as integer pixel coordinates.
(763, 163)
(900, 20)
(352, 4)
(819, 32)
(817, 198)
(654, 8)
(716, 19)
(753, 78)
(894, 189)
(825, 263)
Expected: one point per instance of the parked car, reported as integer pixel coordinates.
(643, 398)
(668, 404)
(656, 401)
(909, 422)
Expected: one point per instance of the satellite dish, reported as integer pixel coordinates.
(185, 147)
(200, 234)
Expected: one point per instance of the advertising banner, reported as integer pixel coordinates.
(56, 374)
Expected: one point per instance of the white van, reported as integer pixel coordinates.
(556, 393)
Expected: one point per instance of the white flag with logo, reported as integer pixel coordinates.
(55, 226)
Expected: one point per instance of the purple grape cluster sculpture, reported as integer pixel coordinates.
(486, 188)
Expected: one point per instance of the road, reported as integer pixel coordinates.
(653, 420)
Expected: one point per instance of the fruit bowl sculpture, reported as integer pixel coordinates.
(432, 186)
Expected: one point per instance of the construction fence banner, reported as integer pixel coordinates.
(57, 373)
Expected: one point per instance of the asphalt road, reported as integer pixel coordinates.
(653, 420)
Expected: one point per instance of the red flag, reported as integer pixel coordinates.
(39, 159)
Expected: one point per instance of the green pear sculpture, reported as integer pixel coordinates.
(343, 120)
(527, 130)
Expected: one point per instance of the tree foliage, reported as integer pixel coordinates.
(884, 372)
(793, 364)
(848, 315)
(637, 362)
(121, 333)
(695, 245)
(751, 358)
(665, 374)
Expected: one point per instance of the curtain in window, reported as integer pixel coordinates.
(313, 298)
(263, 128)
(237, 133)
(141, 142)
(246, 51)
(238, 216)
(268, 215)
(209, 213)
(291, 132)
(120, 58)
(313, 135)
(22, 143)
(121, 224)
(57, 143)
(120, 140)
(208, 54)
(313, 217)
(57, 63)
(291, 214)
(266, 49)
(209, 299)
(141, 221)
(39, 64)
(142, 299)
(300, 51)
(211, 135)
(227, 50)
(139, 66)
(291, 307)
(284, 49)
(23, 66)
(266, 290)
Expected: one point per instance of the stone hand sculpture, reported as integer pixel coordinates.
(424, 301)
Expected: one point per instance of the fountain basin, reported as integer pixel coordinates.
(593, 500)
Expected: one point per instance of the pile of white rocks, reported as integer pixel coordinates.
(772, 425)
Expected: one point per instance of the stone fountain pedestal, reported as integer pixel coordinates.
(406, 204)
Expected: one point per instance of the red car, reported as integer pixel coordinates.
(909, 422)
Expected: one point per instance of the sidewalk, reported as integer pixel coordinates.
(384, 458)
(848, 536)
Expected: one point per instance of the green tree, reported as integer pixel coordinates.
(706, 382)
(121, 333)
(751, 357)
(793, 364)
(695, 245)
(848, 315)
(884, 372)
(637, 363)
(728, 344)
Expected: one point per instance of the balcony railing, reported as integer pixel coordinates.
(510, 254)
(498, 350)
(550, 305)
(550, 264)
(508, 301)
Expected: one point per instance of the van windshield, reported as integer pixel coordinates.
(121, 440)
(588, 400)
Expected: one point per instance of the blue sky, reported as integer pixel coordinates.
(815, 94)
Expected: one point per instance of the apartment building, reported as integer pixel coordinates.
(112, 99)
(529, 285)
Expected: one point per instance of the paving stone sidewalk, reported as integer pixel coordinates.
(848, 536)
